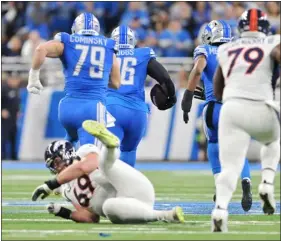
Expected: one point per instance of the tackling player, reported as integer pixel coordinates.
(216, 33)
(88, 60)
(115, 190)
(245, 82)
(127, 104)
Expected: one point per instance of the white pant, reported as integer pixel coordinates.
(124, 181)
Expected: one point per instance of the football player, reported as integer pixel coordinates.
(127, 104)
(243, 81)
(115, 190)
(216, 33)
(88, 60)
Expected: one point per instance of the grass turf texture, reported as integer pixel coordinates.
(193, 190)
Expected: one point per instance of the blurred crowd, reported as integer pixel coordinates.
(171, 28)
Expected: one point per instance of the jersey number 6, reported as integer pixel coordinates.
(84, 183)
(253, 61)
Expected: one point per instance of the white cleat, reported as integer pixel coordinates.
(219, 220)
(266, 192)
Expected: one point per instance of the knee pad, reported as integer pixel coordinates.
(86, 149)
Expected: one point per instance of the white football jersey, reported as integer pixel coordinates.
(80, 190)
(248, 68)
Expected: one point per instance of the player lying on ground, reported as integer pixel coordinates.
(115, 190)
(245, 82)
(216, 33)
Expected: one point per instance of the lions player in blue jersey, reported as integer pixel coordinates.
(215, 34)
(127, 104)
(88, 61)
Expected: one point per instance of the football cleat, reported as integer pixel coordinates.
(246, 201)
(178, 214)
(266, 192)
(219, 220)
(102, 133)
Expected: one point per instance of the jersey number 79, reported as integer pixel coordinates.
(248, 57)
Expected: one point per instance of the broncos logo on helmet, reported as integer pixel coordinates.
(58, 155)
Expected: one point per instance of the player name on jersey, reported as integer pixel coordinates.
(87, 40)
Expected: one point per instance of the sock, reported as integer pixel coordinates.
(107, 158)
(270, 156)
(129, 157)
(213, 156)
(225, 186)
(246, 170)
(216, 177)
(130, 210)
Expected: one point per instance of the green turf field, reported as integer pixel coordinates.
(193, 190)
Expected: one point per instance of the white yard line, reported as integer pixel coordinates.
(126, 230)
(107, 221)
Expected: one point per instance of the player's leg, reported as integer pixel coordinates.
(124, 210)
(135, 193)
(134, 131)
(232, 161)
(270, 157)
(117, 112)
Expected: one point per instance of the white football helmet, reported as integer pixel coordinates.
(86, 24)
(124, 37)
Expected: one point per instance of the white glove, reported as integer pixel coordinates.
(34, 85)
(53, 208)
(41, 191)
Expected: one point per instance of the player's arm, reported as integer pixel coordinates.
(52, 49)
(88, 164)
(275, 53)
(193, 81)
(157, 71)
(218, 83)
(80, 215)
(115, 77)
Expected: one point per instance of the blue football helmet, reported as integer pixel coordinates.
(124, 37)
(217, 31)
(86, 24)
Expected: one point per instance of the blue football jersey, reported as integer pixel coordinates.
(133, 68)
(210, 53)
(87, 62)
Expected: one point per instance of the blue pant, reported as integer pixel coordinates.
(129, 126)
(211, 114)
(72, 113)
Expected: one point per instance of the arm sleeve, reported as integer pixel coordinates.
(160, 74)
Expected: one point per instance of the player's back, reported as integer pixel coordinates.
(248, 67)
(87, 62)
(133, 67)
(210, 53)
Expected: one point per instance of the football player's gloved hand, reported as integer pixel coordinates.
(34, 85)
(42, 190)
(199, 93)
(186, 104)
(53, 208)
(45, 190)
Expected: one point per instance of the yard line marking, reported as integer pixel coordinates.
(107, 221)
(109, 230)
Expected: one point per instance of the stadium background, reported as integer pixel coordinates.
(170, 28)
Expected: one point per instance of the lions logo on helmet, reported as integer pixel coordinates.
(124, 37)
(217, 31)
(86, 24)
